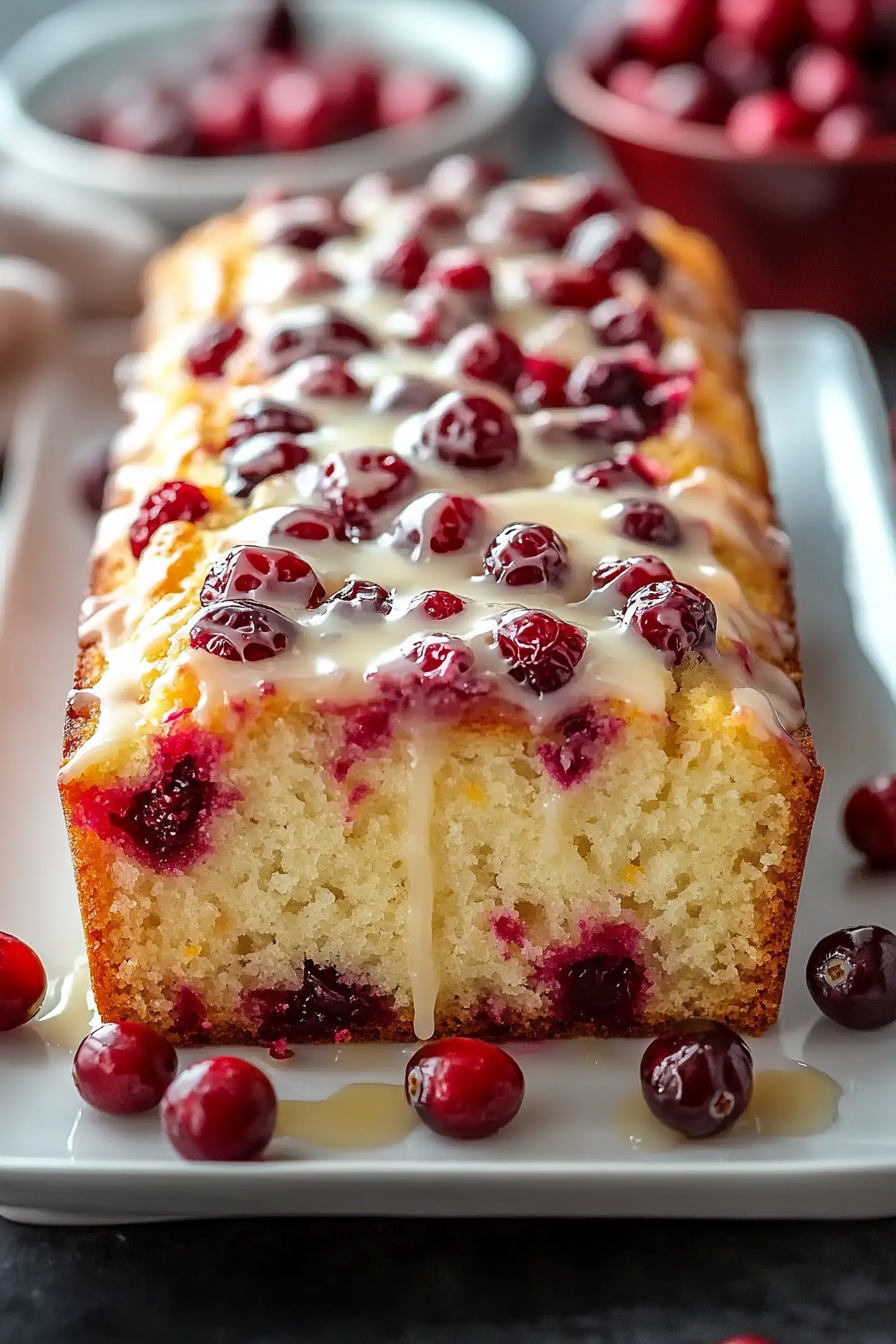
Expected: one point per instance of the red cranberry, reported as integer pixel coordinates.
(275, 577)
(306, 223)
(152, 121)
(461, 176)
(93, 479)
(565, 286)
(435, 216)
(603, 988)
(842, 23)
(527, 553)
(163, 819)
(459, 268)
(542, 651)
(431, 317)
(437, 604)
(440, 660)
(606, 985)
(324, 1004)
(740, 68)
(278, 32)
(404, 393)
(225, 115)
(697, 1078)
(597, 381)
(260, 457)
(408, 95)
(869, 819)
(688, 93)
(844, 131)
(360, 597)
(651, 522)
(403, 265)
(615, 473)
(308, 524)
(769, 26)
(123, 1068)
(632, 80)
(486, 354)
(589, 197)
(673, 618)
(436, 524)
(464, 1089)
(266, 417)
(762, 121)
(822, 79)
(173, 502)
(666, 31)
(505, 222)
(298, 110)
(309, 278)
(666, 400)
(851, 976)
(23, 982)
(607, 244)
(326, 376)
(211, 348)
(607, 425)
(360, 483)
(470, 432)
(314, 330)
(220, 1110)
(542, 384)
(628, 576)
(353, 81)
(242, 632)
(616, 323)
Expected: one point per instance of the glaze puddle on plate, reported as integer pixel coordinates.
(361, 1115)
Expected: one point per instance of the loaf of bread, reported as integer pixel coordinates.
(439, 670)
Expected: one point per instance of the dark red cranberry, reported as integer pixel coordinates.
(542, 652)
(486, 354)
(615, 473)
(869, 819)
(431, 317)
(597, 381)
(459, 268)
(212, 346)
(843, 23)
(314, 330)
(124, 1068)
(602, 989)
(666, 31)
(649, 521)
(822, 79)
(225, 114)
(189, 1017)
(308, 277)
(326, 376)
(359, 597)
(267, 417)
(688, 93)
(673, 618)
(602, 425)
(461, 176)
(608, 244)
(402, 266)
(763, 121)
(323, 1005)
(462, 1088)
(741, 68)
(93, 477)
(437, 604)
(242, 632)
(473, 433)
(697, 1078)
(163, 819)
(275, 577)
(851, 975)
(439, 662)
(260, 457)
(844, 131)
(626, 577)
(173, 502)
(360, 483)
(436, 524)
(564, 286)
(23, 982)
(353, 81)
(404, 393)
(149, 121)
(542, 383)
(505, 222)
(587, 197)
(527, 553)
(665, 400)
(769, 26)
(409, 95)
(435, 216)
(306, 223)
(298, 110)
(616, 322)
(308, 524)
(580, 739)
(220, 1110)
(278, 31)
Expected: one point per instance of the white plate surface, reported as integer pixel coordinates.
(826, 435)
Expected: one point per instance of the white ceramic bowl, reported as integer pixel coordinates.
(85, 47)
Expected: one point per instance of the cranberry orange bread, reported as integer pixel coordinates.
(439, 671)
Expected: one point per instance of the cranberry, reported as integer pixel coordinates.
(615, 473)
(461, 176)
(666, 31)
(353, 82)
(741, 69)
(542, 651)
(308, 524)
(462, 1088)
(616, 322)
(697, 1077)
(220, 1110)
(542, 384)
(607, 425)
(360, 597)
(408, 95)
(211, 348)
(673, 618)
(588, 197)
(436, 524)
(23, 982)
(434, 216)
(760, 122)
(309, 277)
(584, 734)
(278, 32)
(93, 478)
(869, 819)
(486, 354)
(431, 317)
(242, 632)
(404, 393)
(688, 93)
(608, 244)
(162, 820)
(459, 268)
(437, 604)
(260, 457)
(470, 432)
(326, 376)
(651, 522)
(505, 222)
(632, 80)
(306, 223)
(314, 330)
(360, 483)
(628, 576)
(225, 114)
(266, 417)
(822, 79)
(565, 286)
(596, 381)
(440, 662)
(769, 26)
(527, 553)
(123, 1068)
(851, 976)
(173, 502)
(272, 576)
(842, 23)
(603, 989)
(324, 1005)
(665, 400)
(403, 265)
(844, 131)
(298, 110)
(152, 121)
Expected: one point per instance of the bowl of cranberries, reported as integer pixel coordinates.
(768, 124)
(183, 109)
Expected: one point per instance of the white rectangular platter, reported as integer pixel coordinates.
(825, 431)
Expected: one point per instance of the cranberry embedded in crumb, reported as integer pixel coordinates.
(124, 1068)
(242, 632)
(324, 1005)
(313, 330)
(436, 524)
(527, 553)
(697, 1078)
(459, 268)
(263, 572)
(220, 1110)
(674, 618)
(542, 384)
(23, 982)
(163, 819)
(266, 417)
(360, 483)
(616, 322)
(651, 522)
(326, 376)
(608, 244)
(308, 524)
(628, 576)
(851, 975)
(173, 502)
(464, 1089)
(542, 652)
(869, 819)
(603, 988)
(359, 597)
(260, 457)
(470, 432)
(762, 121)
(404, 394)
(437, 604)
(211, 348)
(616, 473)
(402, 266)
(486, 354)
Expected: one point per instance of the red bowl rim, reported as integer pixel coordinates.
(579, 94)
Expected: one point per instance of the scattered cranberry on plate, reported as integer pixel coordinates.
(697, 1077)
(463, 1088)
(851, 975)
(869, 820)
(23, 982)
(220, 1110)
(124, 1068)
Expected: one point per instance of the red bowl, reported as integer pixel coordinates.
(799, 230)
